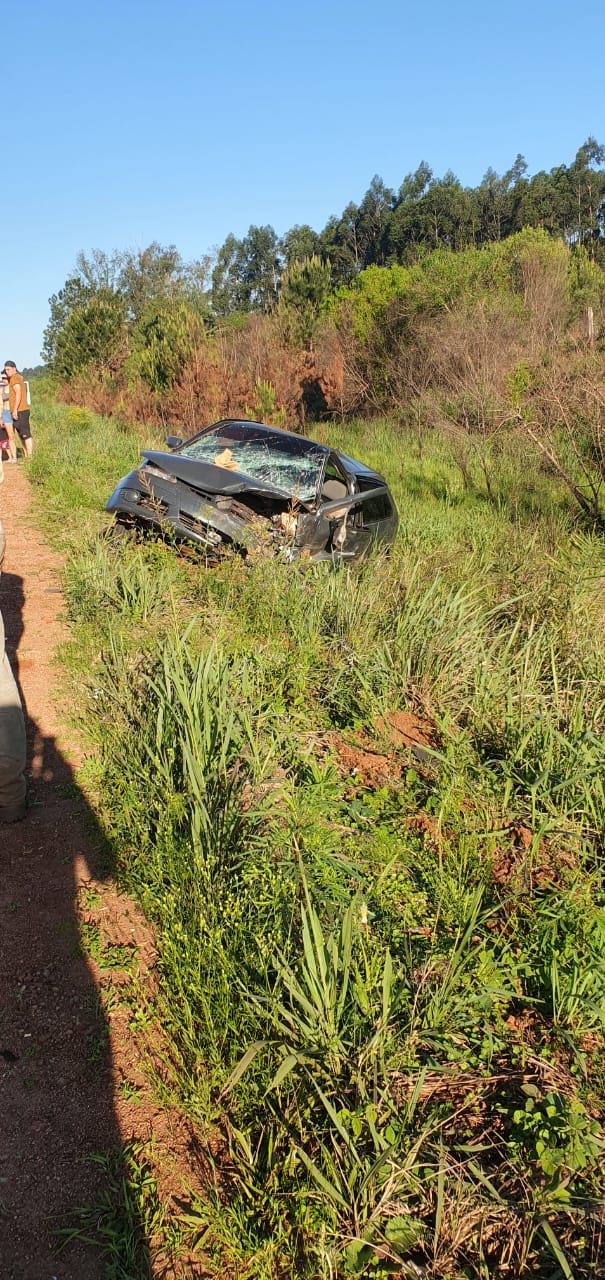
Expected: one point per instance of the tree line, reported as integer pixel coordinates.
(95, 317)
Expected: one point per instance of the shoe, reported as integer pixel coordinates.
(13, 812)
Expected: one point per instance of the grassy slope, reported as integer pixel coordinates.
(418, 958)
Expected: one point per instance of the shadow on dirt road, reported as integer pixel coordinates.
(56, 1079)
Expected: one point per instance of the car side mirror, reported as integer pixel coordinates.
(173, 442)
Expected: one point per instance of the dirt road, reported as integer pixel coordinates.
(71, 1085)
(56, 1096)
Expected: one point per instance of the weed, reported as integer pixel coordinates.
(130, 1092)
(89, 898)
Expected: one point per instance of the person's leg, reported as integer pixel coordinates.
(22, 425)
(12, 443)
(11, 447)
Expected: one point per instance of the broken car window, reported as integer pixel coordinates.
(377, 508)
(333, 483)
(290, 463)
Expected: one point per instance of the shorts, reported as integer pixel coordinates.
(7, 417)
(22, 424)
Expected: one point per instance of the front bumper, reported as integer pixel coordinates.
(171, 505)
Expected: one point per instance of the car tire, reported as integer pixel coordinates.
(120, 531)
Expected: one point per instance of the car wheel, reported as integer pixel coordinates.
(120, 531)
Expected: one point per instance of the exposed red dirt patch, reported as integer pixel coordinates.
(529, 862)
(369, 768)
(405, 729)
(367, 763)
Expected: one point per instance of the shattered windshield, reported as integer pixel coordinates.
(288, 462)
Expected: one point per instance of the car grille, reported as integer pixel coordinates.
(198, 529)
(150, 503)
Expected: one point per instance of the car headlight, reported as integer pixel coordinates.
(157, 471)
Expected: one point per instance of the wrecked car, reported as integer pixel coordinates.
(249, 486)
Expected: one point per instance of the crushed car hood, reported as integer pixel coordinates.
(210, 479)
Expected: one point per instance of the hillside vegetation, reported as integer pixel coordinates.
(364, 811)
(399, 304)
(502, 341)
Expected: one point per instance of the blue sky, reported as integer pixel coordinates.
(181, 122)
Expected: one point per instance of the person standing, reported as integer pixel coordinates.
(13, 789)
(7, 419)
(18, 406)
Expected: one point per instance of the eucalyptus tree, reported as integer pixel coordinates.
(373, 221)
(147, 274)
(409, 223)
(449, 213)
(100, 270)
(340, 242)
(588, 182)
(247, 273)
(299, 244)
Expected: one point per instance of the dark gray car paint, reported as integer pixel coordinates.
(200, 494)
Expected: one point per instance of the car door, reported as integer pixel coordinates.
(348, 536)
(376, 517)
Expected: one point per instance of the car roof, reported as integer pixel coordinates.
(278, 432)
(359, 468)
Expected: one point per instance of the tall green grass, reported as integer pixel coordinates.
(386, 990)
